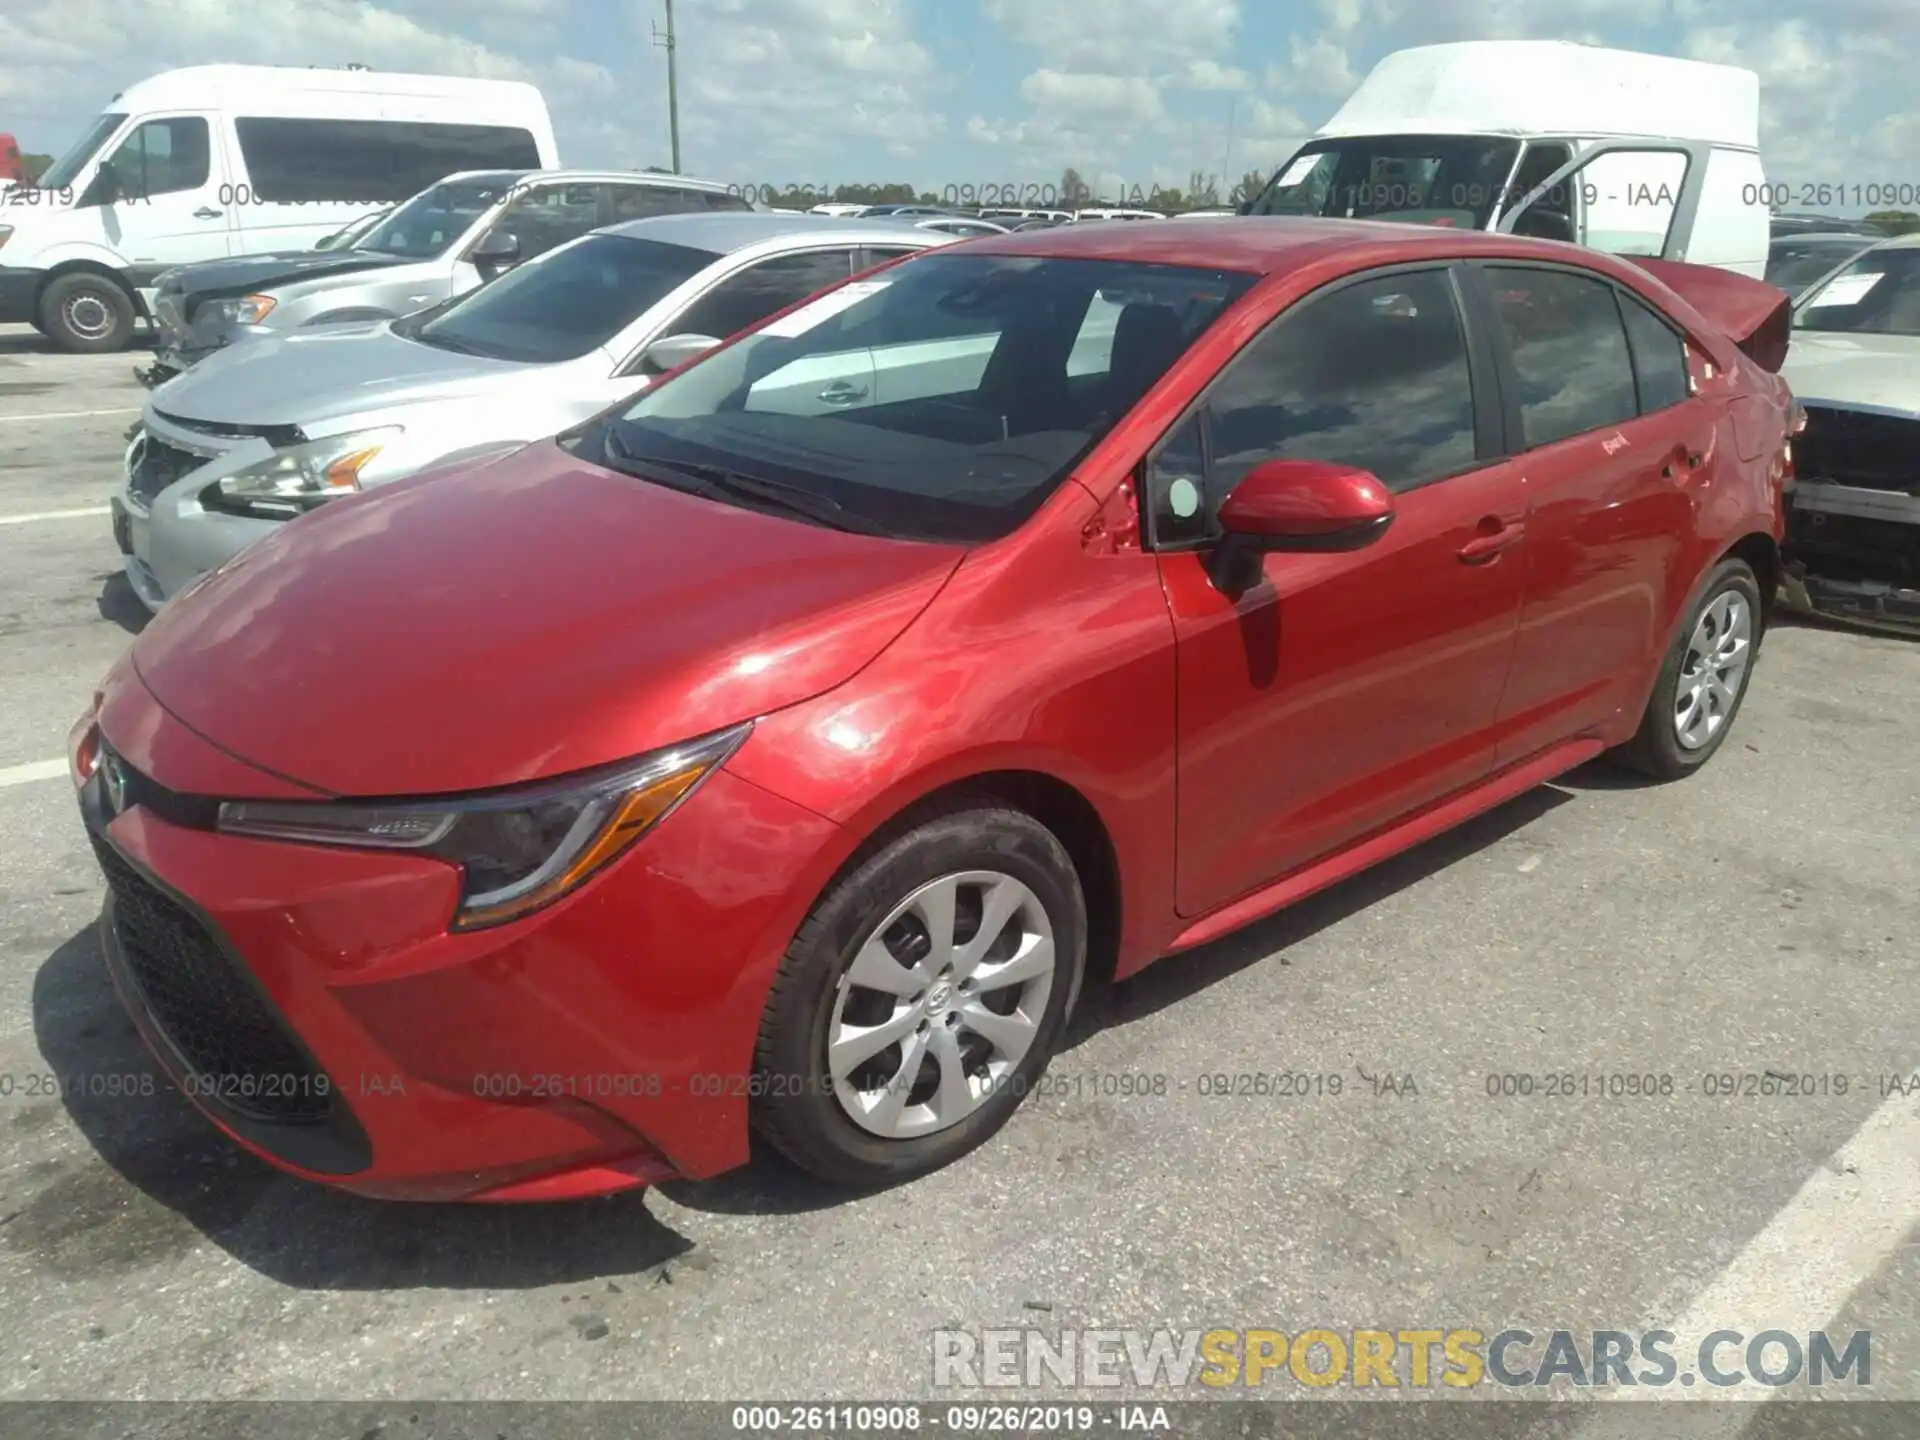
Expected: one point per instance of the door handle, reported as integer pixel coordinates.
(1485, 546)
(842, 392)
(207, 212)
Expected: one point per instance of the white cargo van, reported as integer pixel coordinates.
(1629, 153)
(220, 160)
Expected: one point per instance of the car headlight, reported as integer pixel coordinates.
(519, 849)
(246, 310)
(292, 479)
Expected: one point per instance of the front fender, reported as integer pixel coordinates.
(77, 252)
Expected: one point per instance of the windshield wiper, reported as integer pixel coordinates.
(718, 482)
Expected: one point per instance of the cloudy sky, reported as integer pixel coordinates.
(938, 92)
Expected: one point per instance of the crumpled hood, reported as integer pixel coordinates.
(308, 377)
(531, 617)
(244, 274)
(1855, 369)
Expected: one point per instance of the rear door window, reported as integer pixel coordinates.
(750, 295)
(1659, 357)
(1569, 350)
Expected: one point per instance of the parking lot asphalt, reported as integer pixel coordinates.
(1760, 916)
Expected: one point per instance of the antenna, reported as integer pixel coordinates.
(664, 39)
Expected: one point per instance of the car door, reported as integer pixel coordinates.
(1614, 456)
(158, 197)
(811, 385)
(1347, 689)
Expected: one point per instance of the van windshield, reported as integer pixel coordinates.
(1431, 179)
(60, 175)
(429, 223)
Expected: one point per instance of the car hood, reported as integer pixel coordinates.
(529, 617)
(244, 274)
(1855, 369)
(307, 377)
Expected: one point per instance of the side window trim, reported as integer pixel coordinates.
(1482, 372)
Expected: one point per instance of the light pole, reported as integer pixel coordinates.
(664, 39)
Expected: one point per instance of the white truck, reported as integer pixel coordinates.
(223, 160)
(1628, 153)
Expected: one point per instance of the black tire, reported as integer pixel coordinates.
(795, 1108)
(87, 314)
(1655, 749)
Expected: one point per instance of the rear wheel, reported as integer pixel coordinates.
(1703, 679)
(921, 999)
(87, 314)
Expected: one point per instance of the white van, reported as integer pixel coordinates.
(1629, 153)
(220, 160)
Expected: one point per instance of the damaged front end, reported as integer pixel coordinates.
(1852, 551)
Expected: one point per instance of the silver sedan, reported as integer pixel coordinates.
(258, 434)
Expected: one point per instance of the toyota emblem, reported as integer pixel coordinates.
(113, 784)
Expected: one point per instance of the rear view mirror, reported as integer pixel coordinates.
(496, 248)
(672, 351)
(1296, 505)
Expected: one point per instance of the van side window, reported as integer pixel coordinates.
(1659, 357)
(162, 157)
(1569, 351)
(370, 162)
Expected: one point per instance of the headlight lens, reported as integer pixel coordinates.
(518, 850)
(247, 310)
(301, 475)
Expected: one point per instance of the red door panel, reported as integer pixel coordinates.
(1346, 690)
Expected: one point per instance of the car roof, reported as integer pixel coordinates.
(625, 177)
(1269, 244)
(723, 231)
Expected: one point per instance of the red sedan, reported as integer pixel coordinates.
(781, 751)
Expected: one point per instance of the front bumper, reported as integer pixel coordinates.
(18, 289)
(169, 539)
(1853, 555)
(601, 1044)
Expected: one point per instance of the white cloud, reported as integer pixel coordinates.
(1211, 75)
(1119, 37)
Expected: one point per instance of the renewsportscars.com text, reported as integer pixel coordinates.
(1453, 1358)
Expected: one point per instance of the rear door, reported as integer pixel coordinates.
(1347, 690)
(1616, 450)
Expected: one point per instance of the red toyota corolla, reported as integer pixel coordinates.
(782, 750)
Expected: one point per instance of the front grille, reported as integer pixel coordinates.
(240, 1055)
(1861, 448)
(158, 466)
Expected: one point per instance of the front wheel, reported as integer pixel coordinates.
(1703, 678)
(921, 999)
(87, 314)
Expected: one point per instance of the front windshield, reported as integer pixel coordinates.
(429, 223)
(1878, 294)
(1450, 179)
(61, 174)
(562, 304)
(943, 399)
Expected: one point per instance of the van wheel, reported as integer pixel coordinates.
(922, 998)
(1703, 679)
(87, 314)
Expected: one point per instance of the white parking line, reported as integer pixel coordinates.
(66, 415)
(1849, 1217)
(37, 770)
(56, 515)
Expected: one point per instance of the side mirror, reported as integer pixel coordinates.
(497, 248)
(105, 189)
(1296, 505)
(670, 352)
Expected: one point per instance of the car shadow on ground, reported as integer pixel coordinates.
(119, 604)
(160, 1178)
(770, 1186)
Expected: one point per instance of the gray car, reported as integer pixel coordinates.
(261, 433)
(444, 241)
